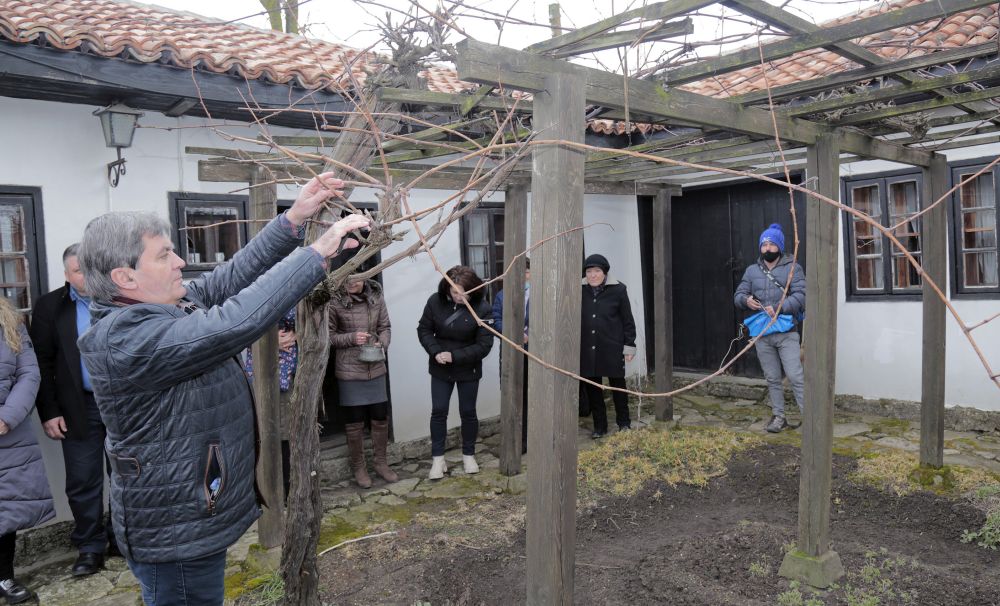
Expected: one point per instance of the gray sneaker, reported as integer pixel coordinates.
(777, 424)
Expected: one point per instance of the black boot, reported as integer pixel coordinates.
(87, 564)
(14, 591)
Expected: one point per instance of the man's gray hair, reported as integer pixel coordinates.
(111, 241)
(71, 251)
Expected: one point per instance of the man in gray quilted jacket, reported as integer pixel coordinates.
(163, 358)
(762, 289)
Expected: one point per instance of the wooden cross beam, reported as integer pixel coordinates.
(988, 72)
(653, 12)
(920, 106)
(485, 63)
(660, 31)
(817, 85)
(779, 17)
(918, 13)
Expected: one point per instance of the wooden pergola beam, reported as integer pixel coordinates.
(817, 85)
(653, 12)
(557, 178)
(919, 106)
(934, 249)
(435, 99)
(935, 122)
(234, 171)
(663, 303)
(893, 92)
(813, 562)
(611, 158)
(484, 63)
(271, 526)
(781, 18)
(644, 169)
(513, 371)
(919, 13)
(660, 31)
(621, 162)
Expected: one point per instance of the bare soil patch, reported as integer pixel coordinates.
(683, 545)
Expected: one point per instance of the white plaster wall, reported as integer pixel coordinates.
(60, 149)
(619, 242)
(879, 342)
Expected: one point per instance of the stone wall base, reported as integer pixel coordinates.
(956, 418)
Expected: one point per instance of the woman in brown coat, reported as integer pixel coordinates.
(358, 317)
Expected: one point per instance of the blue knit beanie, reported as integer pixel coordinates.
(774, 235)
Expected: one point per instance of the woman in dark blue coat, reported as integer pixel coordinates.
(457, 345)
(25, 500)
(607, 341)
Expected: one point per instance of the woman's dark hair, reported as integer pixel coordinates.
(466, 278)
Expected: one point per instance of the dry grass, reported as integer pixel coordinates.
(626, 461)
(900, 472)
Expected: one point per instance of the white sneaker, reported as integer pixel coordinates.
(469, 462)
(438, 468)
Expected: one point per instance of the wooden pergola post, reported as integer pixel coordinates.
(515, 239)
(271, 526)
(933, 258)
(663, 303)
(557, 194)
(813, 562)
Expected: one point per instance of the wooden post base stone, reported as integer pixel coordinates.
(819, 571)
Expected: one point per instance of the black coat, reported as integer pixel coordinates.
(54, 334)
(607, 330)
(446, 326)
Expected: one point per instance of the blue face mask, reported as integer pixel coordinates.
(771, 256)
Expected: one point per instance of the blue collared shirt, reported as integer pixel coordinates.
(82, 324)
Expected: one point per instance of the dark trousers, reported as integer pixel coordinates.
(7, 543)
(85, 484)
(360, 414)
(440, 401)
(185, 583)
(595, 397)
(524, 404)
(524, 408)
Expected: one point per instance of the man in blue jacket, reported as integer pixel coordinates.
(761, 290)
(164, 363)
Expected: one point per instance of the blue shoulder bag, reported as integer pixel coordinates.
(755, 324)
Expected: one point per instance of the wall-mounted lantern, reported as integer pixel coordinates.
(118, 123)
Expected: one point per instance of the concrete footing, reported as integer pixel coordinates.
(816, 571)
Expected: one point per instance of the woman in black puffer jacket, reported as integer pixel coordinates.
(457, 345)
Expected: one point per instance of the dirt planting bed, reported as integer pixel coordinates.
(684, 545)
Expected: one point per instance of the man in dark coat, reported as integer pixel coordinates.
(69, 413)
(163, 358)
(607, 341)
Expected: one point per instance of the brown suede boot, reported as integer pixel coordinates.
(356, 447)
(380, 439)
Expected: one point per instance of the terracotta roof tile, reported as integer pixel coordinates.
(966, 28)
(151, 34)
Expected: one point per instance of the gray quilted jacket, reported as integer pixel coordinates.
(177, 404)
(25, 500)
(756, 282)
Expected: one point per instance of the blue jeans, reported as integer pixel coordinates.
(198, 582)
(777, 351)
